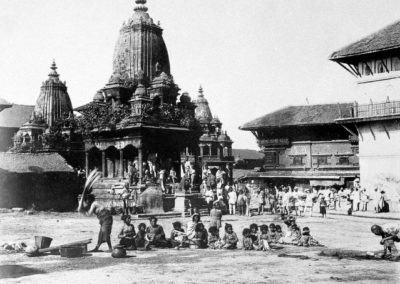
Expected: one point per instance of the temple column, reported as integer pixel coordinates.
(140, 162)
(87, 163)
(219, 152)
(201, 150)
(121, 163)
(103, 163)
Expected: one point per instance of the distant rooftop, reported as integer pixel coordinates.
(301, 116)
(15, 116)
(33, 163)
(385, 39)
(247, 154)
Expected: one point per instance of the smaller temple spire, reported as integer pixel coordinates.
(140, 6)
(53, 67)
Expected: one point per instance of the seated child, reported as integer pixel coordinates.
(279, 233)
(178, 236)
(264, 239)
(247, 241)
(230, 238)
(142, 241)
(306, 239)
(254, 235)
(127, 233)
(214, 241)
(272, 233)
(200, 239)
(292, 236)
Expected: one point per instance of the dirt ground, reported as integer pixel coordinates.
(194, 266)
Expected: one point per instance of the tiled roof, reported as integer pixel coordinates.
(15, 116)
(33, 163)
(301, 115)
(386, 39)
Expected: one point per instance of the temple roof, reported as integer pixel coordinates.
(385, 39)
(301, 115)
(34, 163)
(15, 116)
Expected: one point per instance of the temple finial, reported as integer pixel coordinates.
(54, 68)
(140, 6)
(201, 90)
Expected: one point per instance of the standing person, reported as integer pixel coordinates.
(209, 196)
(215, 216)
(261, 201)
(383, 203)
(90, 207)
(375, 199)
(131, 174)
(241, 201)
(356, 200)
(285, 201)
(364, 200)
(232, 201)
(322, 206)
(248, 199)
(390, 233)
(125, 194)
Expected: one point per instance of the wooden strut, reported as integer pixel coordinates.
(384, 64)
(358, 130)
(350, 131)
(370, 129)
(387, 132)
(355, 69)
(372, 73)
(347, 69)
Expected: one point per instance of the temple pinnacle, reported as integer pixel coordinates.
(53, 67)
(140, 6)
(201, 91)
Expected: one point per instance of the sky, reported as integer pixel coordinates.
(251, 57)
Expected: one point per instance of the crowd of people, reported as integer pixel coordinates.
(196, 236)
(240, 198)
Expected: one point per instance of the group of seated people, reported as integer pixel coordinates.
(196, 236)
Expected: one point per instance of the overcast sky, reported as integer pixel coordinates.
(251, 57)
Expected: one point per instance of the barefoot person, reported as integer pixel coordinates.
(390, 233)
(89, 206)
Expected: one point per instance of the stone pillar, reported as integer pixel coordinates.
(219, 152)
(87, 163)
(103, 163)
(310, 161)
(201, 150)
(121, 163)
(140, 162)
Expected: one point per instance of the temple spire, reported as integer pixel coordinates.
(140, 6)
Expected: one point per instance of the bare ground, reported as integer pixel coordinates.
(194, 266)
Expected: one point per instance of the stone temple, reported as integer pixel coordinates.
(140, 121)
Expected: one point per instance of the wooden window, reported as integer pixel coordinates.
(322, 160)
(271, 159)
(343, 161)
(298, 161)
